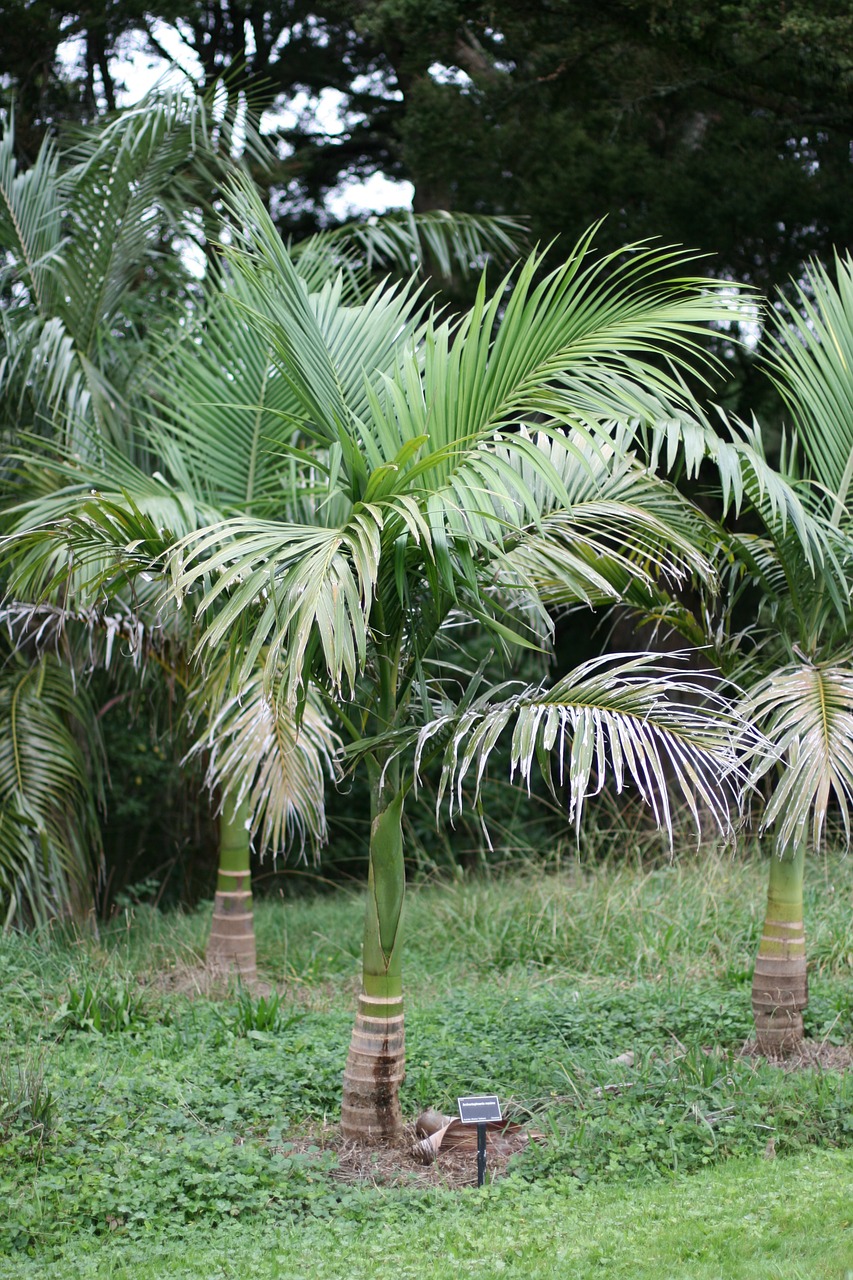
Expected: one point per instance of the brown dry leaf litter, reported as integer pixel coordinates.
(392, 1164)
(812, 1053)
(206, 980)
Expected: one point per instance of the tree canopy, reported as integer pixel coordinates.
(723, 127)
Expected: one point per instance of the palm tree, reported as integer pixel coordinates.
(800, 672)
(82, 274)
(428, 471)
(87, 378)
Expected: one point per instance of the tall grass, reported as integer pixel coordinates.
(697, 918)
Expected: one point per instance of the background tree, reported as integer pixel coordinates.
(726, 128)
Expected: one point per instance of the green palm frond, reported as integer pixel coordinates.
(86, 241)
(747, 480)
(49, 836)
(628, 719)
(88, 527)
(41, 374)
(812, 365)
(577, 344)
(257, 753)
(225, 416)
(30, 224)
(307, 583)
(326, 350)
(129, 181)
(806, 713)
(622, 528)
(569, 350)
(798, 604)
(407, 242)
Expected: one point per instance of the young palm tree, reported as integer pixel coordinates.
(82, 276)
(436, 470)
(87, 348)
(801, 675)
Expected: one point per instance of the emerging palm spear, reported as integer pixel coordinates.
(421, 472)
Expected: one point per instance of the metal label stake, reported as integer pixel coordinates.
(479, 1109)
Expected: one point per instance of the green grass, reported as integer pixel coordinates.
(779, 1220)
(143, 1129)
(696, 918)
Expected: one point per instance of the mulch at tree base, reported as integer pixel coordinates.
(391, 1163)
(395, 1165)
(811, 1053)
(208, 980)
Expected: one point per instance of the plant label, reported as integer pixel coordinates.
(480, 1108)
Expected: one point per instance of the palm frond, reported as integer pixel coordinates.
(30, 223)
(572, 347)
(87, 241)
(91, 523)
(812, 364)
(747, 480)
(49, 837)
(257, 753)
(224, 416)
(151, 165)
(622, 527)
(406, 242)
(306, 584)
(628, 719)
(425, 439)
(325, 349)
(805, 712)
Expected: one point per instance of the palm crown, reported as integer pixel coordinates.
(99, 325)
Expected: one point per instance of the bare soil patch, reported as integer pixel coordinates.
(207, 980)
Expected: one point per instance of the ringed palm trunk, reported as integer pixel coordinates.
(779, 984)
(376, 1063)
(232, 930)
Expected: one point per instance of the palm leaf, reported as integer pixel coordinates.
(49, 837)
(456, 243)
(630, 720)
(812, 365)
(30, 223)
(257, 753)
(806, 713)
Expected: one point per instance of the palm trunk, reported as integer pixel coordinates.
(376, 1063)
(779, 984)
(232, 930)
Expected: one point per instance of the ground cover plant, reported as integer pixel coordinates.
(148, 1120)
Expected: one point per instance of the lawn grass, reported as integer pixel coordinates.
(147, 1129)
(782, 1219)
